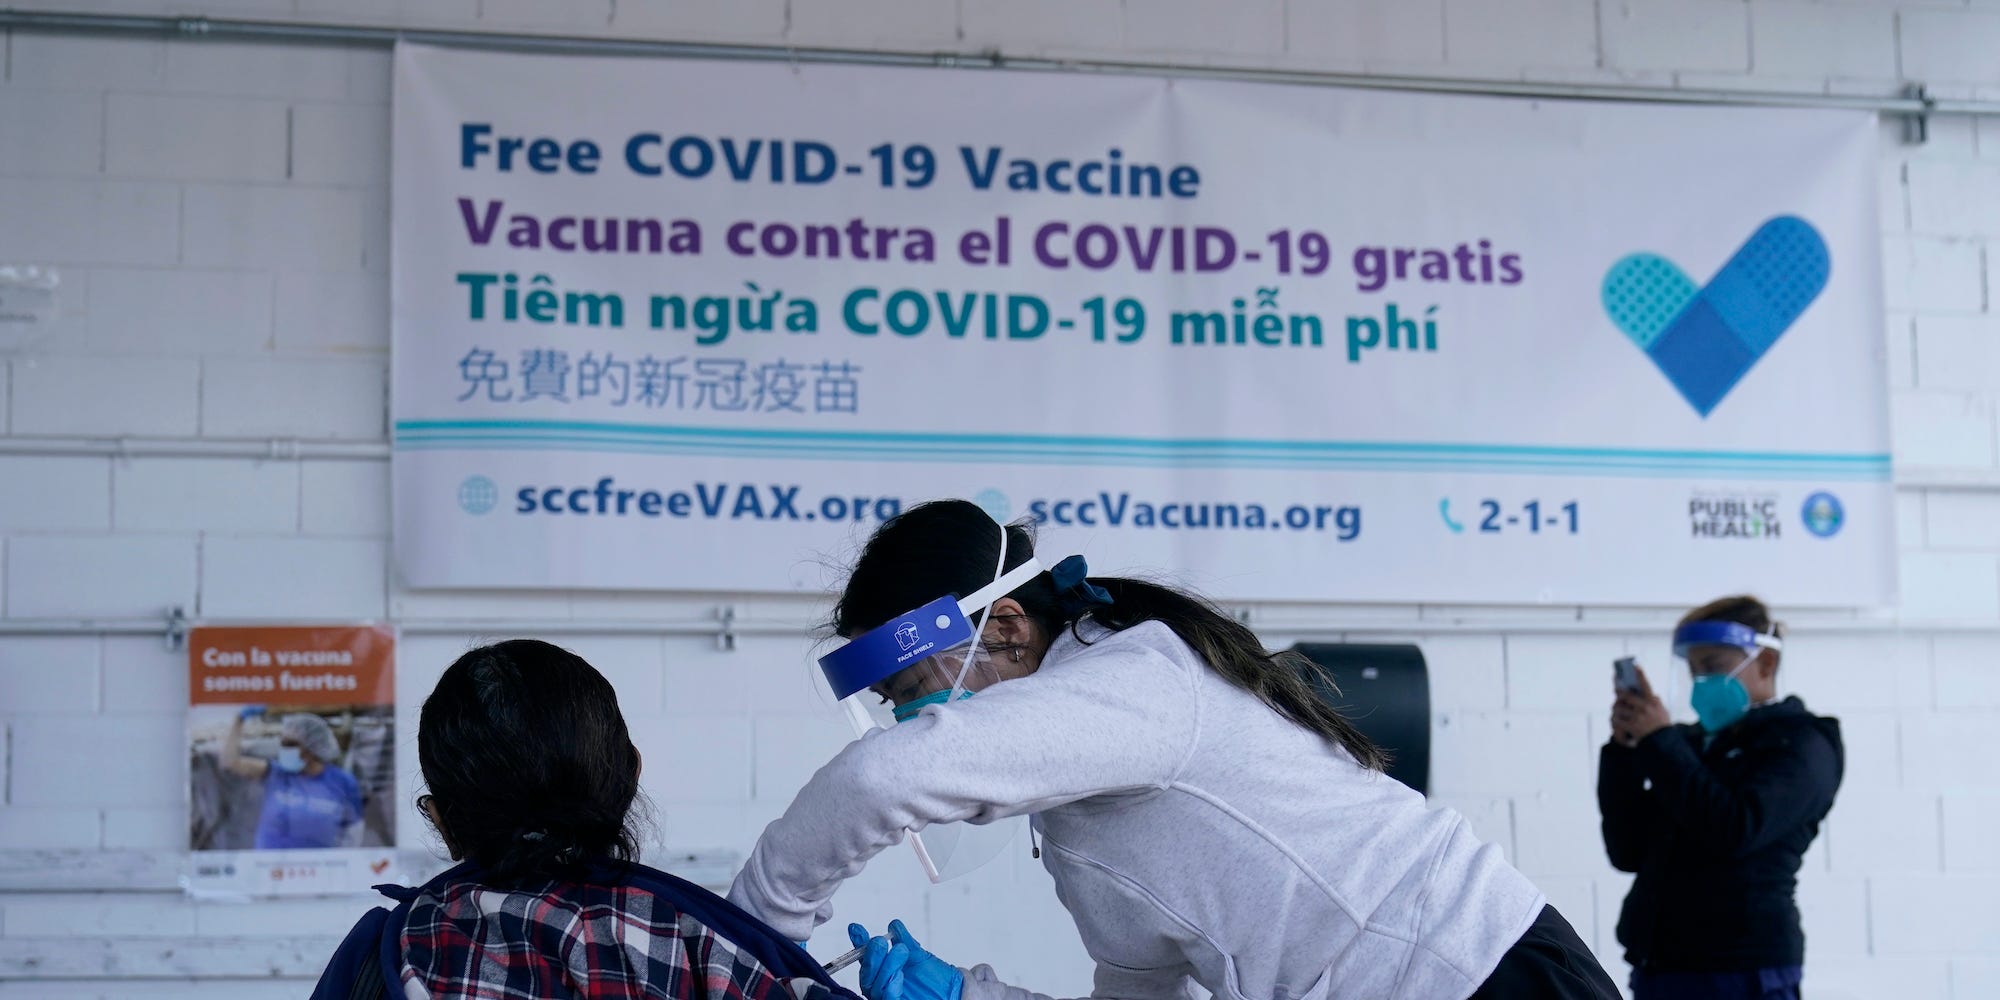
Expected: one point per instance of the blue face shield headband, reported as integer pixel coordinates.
(907, 639)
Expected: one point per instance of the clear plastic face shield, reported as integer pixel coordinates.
(929, 656)
(1717, 654)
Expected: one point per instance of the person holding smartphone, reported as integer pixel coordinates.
(1715, 817)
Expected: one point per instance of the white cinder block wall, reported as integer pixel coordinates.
(220, 215)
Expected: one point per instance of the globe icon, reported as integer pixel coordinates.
(995, 504)
(477, 495)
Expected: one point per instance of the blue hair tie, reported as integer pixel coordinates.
(1074, 589)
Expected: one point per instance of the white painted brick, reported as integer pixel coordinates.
(1910, 519)
(127, 576)
(694, 759)
(105, 396)
(1948, 751)
(141, 675)
(632, 665)
(40, 494)
(1835, 672)
(341, 400)
(344, 498)
(194, 138)
(497, 606)
(1949, 138)
(1958, 353)
(1954, 198)
(1245, 27)
(335, 311)
(1516, 34)
(308, 578)
(375, 230)
(1479, 754)
(49, 676)
(1035, 26)
(763, 675)
(873, 24)
(1971, 828)
(1933, 275)
(86, 62)
(1699, 35)
(790, 748)
(1874, 754)
(340, 144)
(280, 227)
(1972, 978)
(1556, 836)
(58, 133)
(27, 827)
(157, 989)
(1611, 893)
(585, 15)
(291, 917)
(98, 915)
(1893, 196)
(1883, 832)
(143, 311)
(369, 71)
(1950, 47)
(1561, 672)
(1793, 38)
(1575, 898)
(1936, 915)
(724, 20)
(1834, 914)
(1949, 585)
(1967, 670)
(84, 761)
(1467, 672)
(700, 826)
(1855, 977)
(1962, 519)
(146, 828)
(1370, 32)
(1941, 429)
(248, 69)
(183, 494)
(440, 13)
(93, 222)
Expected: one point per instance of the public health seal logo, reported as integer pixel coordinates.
(1823, 515)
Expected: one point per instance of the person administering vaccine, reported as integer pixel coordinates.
(1715, 817)
(309, 800)
(1205, 816)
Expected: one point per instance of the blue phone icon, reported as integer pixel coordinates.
(1444, 511)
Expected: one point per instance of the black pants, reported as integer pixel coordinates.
(1549, 963)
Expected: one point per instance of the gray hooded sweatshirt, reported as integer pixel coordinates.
(1193, 833)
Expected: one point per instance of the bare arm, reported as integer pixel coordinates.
(232, 758)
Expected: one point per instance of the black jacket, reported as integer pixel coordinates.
(1716, 835)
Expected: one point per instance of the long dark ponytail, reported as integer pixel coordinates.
(951, 547)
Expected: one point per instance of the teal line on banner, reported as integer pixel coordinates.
(529, 435)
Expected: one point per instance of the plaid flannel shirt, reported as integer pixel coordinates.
(573, 940)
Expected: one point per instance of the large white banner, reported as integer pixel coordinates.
(702, 325)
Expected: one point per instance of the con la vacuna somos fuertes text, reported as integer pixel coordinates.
(245, 671)
(1252, 319)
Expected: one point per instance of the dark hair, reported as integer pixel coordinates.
(1741, 609)
(530, 767)
(951, 547)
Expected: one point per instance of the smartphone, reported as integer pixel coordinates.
(1625, 673)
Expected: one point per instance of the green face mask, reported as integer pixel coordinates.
(1720, 699)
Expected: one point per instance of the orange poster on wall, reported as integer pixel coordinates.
(291, 767)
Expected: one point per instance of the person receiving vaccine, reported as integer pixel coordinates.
(1715, 817)
(1207, 818)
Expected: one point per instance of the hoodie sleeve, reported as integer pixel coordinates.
(1118, 716)
(1112, 984)
(1624, 803)
(1794, 781)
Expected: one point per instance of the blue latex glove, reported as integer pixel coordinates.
(898, 968)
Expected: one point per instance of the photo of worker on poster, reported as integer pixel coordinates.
(291, 764)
